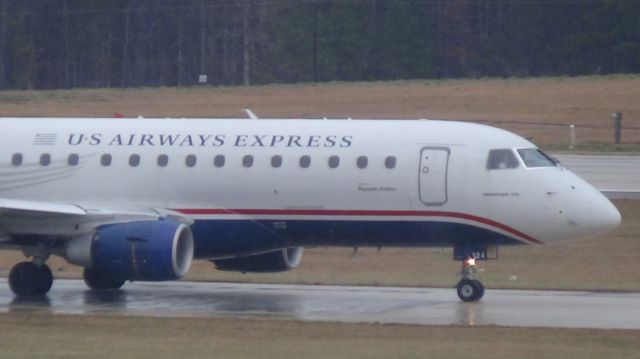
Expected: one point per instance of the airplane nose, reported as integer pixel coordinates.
(589, 212)
(605, 216)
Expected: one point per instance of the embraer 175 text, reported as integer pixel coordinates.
(138, 199)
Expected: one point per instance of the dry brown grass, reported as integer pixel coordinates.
(584, 101)
(62, 336)
(607, 263)
(599, 264)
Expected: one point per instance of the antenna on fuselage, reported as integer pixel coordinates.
(250, 113)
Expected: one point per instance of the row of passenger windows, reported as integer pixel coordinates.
(277, 161)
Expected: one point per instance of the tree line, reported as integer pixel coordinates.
(122, 43)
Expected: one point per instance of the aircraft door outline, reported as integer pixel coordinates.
(433, 175)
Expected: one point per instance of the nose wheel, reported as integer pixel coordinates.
(468, 288)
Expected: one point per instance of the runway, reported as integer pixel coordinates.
(422, 306)
(616, 176)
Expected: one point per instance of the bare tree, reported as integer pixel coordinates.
(124, 62)
(246, 43)
(3, 42)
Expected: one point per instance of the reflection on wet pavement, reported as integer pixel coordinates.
(427, 306)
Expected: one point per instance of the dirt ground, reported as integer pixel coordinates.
(521, 104)
(606, 263)
(23, 335)
(526, 106)
(540, 109)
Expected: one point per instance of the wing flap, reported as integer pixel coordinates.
(13, 205)
(18, 217)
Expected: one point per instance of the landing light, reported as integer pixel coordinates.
(470, 262)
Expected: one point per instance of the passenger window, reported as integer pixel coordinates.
(362, 162)
(73, 159)
(390, 162)
(502, 159)
(305, 161)
(190, 160)
(105, 160)
(163, 160)
(334, 162)
(218, 161)
(45, 159)
(533, 157)
(134, 160)
(247, 161)
(16, 159)
(276, 161)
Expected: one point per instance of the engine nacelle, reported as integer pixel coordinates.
(281, 260)
(145, 250)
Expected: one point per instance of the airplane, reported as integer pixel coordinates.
(137, 199)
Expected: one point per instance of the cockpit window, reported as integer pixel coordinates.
(533, 157)
(502, 159)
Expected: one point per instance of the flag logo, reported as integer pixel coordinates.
(45, 139)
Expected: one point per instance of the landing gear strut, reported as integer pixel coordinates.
(28, 278)
(469, 289)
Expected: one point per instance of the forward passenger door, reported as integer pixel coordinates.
(434, 164)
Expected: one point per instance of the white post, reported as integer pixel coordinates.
(572, 136)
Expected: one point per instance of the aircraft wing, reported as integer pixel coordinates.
(13, 206)
(18, 217)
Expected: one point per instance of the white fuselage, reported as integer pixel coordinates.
(360, 173)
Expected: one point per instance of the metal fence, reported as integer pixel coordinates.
(571, 136)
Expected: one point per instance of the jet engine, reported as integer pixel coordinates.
(281, 260)
(144, 250)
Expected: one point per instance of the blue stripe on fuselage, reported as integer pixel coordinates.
(225, 238)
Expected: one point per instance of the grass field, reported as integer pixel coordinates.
(60, 336)
(607, 263)
(521, 105)
(604, 264)
(535, 108)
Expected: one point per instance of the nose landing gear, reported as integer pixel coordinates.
(469, 289)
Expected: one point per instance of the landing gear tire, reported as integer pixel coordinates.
(98, 280)
(470, 290)
(481, 287)
(28, 279)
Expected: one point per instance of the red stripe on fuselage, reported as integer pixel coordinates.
(356, 213)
